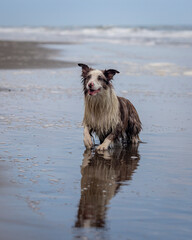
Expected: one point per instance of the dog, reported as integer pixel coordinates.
(113, 119)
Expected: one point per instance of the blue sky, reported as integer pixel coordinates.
(95, 12)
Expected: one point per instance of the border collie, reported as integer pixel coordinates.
(111, 118)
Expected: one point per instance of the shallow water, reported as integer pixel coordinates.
(51, 188)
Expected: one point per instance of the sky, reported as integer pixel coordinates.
(95, 12)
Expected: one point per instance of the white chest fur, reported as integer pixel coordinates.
(102, 112)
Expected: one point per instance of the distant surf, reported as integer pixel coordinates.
(159, 35)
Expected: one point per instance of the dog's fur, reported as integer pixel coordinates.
(111, 118)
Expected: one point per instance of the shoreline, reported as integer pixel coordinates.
(30, 55)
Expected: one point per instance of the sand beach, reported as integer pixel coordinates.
(50, 186)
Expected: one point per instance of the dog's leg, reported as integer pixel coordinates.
(105, 145)
(87, 138)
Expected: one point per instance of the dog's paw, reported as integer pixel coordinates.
(102, 147)
(135, 139)
(88, 142)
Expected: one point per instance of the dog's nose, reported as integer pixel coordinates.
(91, 84)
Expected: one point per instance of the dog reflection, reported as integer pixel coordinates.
(102, 176)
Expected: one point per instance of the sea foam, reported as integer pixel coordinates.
(181, 36)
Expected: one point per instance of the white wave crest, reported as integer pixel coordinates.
(117, 35)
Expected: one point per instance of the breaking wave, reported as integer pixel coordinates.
(117, 35)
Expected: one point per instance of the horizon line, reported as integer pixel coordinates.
(99, 25)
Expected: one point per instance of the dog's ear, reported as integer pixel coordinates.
(85, 69)
(110, 73)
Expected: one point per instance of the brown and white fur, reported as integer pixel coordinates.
(111, 118)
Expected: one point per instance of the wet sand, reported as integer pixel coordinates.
(29, 55)
(52, 188)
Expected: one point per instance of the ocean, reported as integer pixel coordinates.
(149, 36)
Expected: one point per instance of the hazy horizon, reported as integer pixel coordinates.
(146, 26)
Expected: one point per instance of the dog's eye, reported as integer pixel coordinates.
(99, 78)
(88, 77)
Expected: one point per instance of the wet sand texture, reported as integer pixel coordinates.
(51, 187)
(29, 55)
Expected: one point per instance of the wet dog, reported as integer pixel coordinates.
(111, 118)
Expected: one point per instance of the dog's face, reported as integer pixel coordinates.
(96, 81)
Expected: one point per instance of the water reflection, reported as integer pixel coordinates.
(102, 176)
